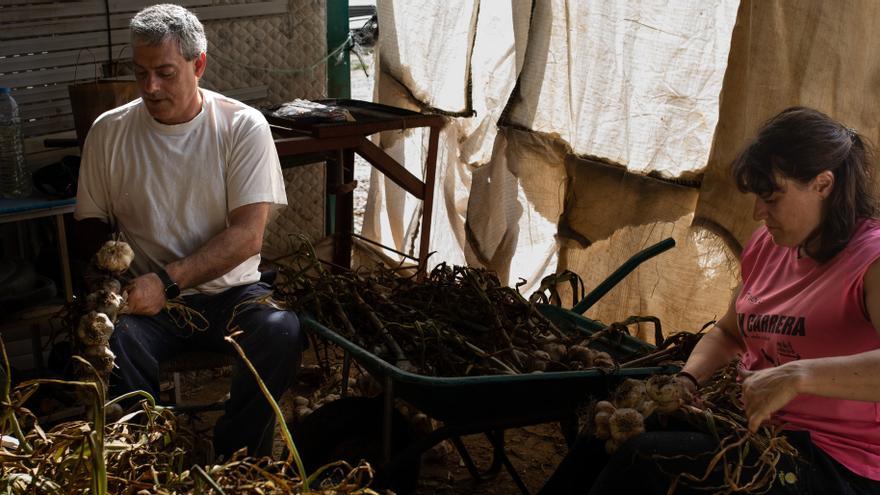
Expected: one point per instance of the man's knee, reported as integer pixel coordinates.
(280, 331)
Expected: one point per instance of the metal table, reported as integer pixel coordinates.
(14, 210)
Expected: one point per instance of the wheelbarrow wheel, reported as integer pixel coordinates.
(350, 429)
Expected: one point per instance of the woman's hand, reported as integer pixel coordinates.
(688, 383)
(146, 295)
(769, 390)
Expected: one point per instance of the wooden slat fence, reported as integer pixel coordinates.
(45, 45)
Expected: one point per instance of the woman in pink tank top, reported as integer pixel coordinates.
(804, 323)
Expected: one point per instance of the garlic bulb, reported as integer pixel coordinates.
(94, 329)
(101, 357)
(556, 351)
(603, 360)
(626, 423)
(603, 412)
(104, 301)
(668, 393)
(115, 256)
(581, 354)
(630, 393)
(110, 285)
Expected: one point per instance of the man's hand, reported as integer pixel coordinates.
(146, 295)
(769, 390)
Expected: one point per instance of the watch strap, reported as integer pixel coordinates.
(170, 287)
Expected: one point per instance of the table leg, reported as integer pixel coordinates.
(428, 199)
(344, 214)
(37, 348)
(65, 258)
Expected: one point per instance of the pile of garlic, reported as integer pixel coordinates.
(575, 357)
(623, 417)
(104, 303)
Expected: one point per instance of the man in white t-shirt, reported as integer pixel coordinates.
(188, 178)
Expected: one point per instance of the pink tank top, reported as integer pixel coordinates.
(793, 308)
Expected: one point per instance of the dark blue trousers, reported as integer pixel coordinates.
(271, 340)
(645, 465)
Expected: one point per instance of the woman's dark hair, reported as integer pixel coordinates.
(799, 144)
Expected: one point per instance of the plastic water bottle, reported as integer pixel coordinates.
(15, 181)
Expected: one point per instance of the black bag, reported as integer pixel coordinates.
(58, 179)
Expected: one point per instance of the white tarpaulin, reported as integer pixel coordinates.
(632, 82)
(426, 46)
(499, 43)
(635, 83)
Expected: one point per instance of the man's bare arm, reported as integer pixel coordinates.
(240, 240)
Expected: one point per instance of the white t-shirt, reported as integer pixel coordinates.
(169, 188)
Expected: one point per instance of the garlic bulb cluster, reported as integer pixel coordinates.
(92, 336)
(668, 393)
(623, 417)
(589, 358)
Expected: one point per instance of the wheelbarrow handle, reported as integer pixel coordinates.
(631, 264)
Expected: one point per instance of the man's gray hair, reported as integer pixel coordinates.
(165, 21)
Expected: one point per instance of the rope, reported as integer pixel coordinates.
(109, 34)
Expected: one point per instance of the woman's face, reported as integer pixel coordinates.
(793, 212)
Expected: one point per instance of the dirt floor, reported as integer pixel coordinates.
(534, 451)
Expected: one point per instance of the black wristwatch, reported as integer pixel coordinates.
(172, 290)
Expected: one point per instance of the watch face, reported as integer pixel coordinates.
(172, 291)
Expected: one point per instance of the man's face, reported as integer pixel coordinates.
(168, 83)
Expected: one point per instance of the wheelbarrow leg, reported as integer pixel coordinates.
(496, 438)
(388, 411)
(499, 460)
(569, 428)
(471, 466)
(346, 370)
